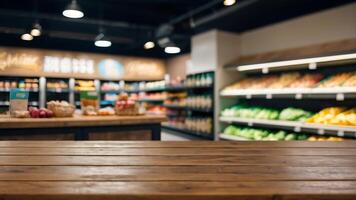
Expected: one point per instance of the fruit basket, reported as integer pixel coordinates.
(61, 108)
(124, 106)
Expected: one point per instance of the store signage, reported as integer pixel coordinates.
(53, 64)
(23, 60)
(32, 62)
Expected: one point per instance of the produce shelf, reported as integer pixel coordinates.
(320, 129)
(232, 137)
(189, 108)
(188, 132)
(338, 93)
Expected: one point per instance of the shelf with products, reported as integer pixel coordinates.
(296, 85)
(241, 133)
(327, 92)
(30, 85)
(206, 110)
(169, 127)
(57, 89)
(335, 121)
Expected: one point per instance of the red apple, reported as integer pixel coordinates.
(35, 113)
(42, 114)
(49, 113)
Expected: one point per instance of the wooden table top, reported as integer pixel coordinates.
(203, 170)
(7, 122)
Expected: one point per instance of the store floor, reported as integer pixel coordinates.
(166, 136)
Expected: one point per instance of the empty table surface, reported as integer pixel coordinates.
(177, 170)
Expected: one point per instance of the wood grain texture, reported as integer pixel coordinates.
(177, 170)
(79, 121)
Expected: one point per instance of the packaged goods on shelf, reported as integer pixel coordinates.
(81, 85)
(199, 124)
(107, 111)
(57, 84)
(28, 84)
(152, 85)
(110, 97)
(110, 86)
(177, 95)
(198, 80)
(156, 110)
(175, 102)
(335, 116)
(89, 103)
(204, 102)
(153, 96)
(195, 124)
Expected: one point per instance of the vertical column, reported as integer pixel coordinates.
(71, 91)
(42, 92)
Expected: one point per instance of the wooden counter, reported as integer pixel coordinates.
(177, 170)
(79, 127)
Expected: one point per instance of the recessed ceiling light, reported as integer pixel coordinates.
(172, 50)
(229, 2)
(36, 30)
(149, 45)
(73, 10)
(26, 37)
(102, 41)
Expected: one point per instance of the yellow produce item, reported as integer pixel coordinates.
(325, 115)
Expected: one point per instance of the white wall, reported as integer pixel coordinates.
(326, 26)
(204, 52)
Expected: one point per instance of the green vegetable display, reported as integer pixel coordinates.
(288, 114)
(261, 134)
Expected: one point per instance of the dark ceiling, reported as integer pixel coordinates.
(130, 23)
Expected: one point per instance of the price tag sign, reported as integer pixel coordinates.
(340, 97)
(340, 133)
(250, 123)
(269, 96)
(297, 129)
(312, 66)
(248, 96)
(298, 96)
(321, 131)
(265, 70)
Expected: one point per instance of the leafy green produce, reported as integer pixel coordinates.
(262, 134)
(290, 136)
(294, 114)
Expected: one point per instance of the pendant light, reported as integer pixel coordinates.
(102, 41)
(73, 10)
(172, 49)
(229, 2)
(26, 37)
(149, 45)
(36, 30)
